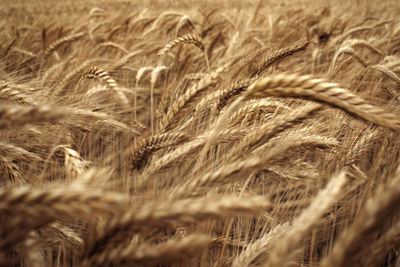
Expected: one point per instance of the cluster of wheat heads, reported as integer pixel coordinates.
(237, 133)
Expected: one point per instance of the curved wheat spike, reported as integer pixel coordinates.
(102, 75)
(260, 246)
(13, 116)
(163, 213)
(278, 55)
(59, 88)
(154, 75)
(24, 52)
(384, 245)
(149, 254)
(255, 106)
(156, 22)
(74, 164)
(141, 72)
(153, 143)
(96, 73)
(188, 39)
(242, 85)
(319, 89)
(358, 42)
(54, 201)
(387, 72)
(11, 94)
(224, 136)
(315, 55)
(58, 233)
(120, 63)
(221, 175)
(304, 85)
(275, 125)
(9, 151)
(342, 37)
(377, 209)
(182, 21)
(182, 102)
(96, 12)
(345, 50)
(32, 207)
(232, 91)
(114, 45)
(10, 170)
(284, 250)
(53, 46)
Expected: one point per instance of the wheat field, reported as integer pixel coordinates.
(199, 133)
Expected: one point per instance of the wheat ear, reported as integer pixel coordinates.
(319, 89)
(153, 143)
(59, 88)
(74, 164)
(121, 62)
(181, 103)
(11, 94)
(282, 252)
(53, 46)
(102, 75)
(114, 45)
(232, 91)
(33, 207)
(13, 116)
(148, 254)
(252, 107)
(345, 50)
(57, 201)
(278, 55)
(387, 72)
(260, 246)
(14, 152)
(224, 136)
(189, 39)
(375, 212)
(163, 213)
(273, 58)
(382, 247)
(221, 175)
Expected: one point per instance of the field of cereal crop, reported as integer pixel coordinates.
(199, 133)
